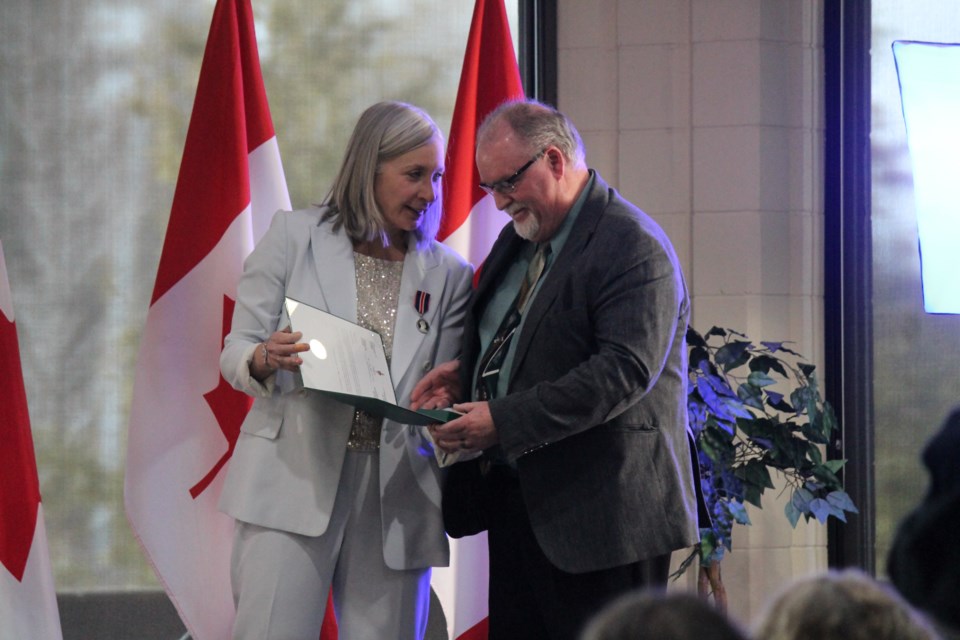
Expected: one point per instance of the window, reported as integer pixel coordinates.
(96, 101)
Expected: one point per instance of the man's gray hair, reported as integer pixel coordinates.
(539, 125)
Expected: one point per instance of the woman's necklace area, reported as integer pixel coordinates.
(393, 252)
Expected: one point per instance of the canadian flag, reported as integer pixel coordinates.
(28, 600)
(471, 223)
(184, 418)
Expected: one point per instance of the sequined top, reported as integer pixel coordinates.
(378, 289)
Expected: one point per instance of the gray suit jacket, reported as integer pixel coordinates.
(286, 465)
(595, 415)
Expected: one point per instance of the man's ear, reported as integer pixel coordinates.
(556, 162)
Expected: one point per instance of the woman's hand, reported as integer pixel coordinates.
(278, 352)
(439, 388)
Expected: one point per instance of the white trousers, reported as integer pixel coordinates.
(281, 580)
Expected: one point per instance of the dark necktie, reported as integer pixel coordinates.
(492, 359)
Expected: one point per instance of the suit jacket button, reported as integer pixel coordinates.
(426, 366)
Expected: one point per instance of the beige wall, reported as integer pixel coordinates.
(708, 115)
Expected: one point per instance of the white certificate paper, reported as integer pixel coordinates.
(347, 361)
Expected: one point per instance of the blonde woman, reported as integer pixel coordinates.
(326, 496)
(841, 605)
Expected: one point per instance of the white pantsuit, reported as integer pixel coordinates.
(289, 461)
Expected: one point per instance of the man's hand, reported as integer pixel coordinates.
(439, 388)
(474, 431)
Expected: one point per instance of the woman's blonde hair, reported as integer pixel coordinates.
(841, 605)
(386, 130)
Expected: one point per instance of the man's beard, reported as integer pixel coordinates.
(529, 227)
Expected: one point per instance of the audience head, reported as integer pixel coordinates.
(386, 130)
(654, 615)
(924, 560)
(841, 605)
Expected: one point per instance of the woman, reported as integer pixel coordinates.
(323, 495)
(840, 605)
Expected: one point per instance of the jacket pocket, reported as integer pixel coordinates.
(264, 418)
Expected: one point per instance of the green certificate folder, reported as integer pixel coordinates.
(347, 362)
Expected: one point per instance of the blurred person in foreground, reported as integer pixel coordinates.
(840, 605)
(656, 615)
(325, 495)
(924, 560)
(573, 377)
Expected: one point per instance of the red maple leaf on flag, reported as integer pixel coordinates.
(184, 419)
(228, 405)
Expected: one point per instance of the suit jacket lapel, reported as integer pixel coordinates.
(502, 255)
(336, 274)
(580, 235)
(419, 274)
(491, 269)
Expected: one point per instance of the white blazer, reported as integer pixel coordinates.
(286, 464)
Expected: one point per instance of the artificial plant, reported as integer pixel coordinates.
(755, 409)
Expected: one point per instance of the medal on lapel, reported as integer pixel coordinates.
(422, 303)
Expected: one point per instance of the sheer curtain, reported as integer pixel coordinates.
(95, 102)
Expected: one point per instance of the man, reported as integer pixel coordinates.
(575, 360)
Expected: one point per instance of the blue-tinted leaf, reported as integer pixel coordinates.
(694, 339)
(732, 354)
(790, 351)
(760, 379)
(820, 508)
(716, 331)
(815, 456)
(834, 465)
(767, 363)
(801, 398)
(842, 501)
(824, 474)
(776, 401)
(735, 408)
(793, 514)
(739, 513)
(752, 494)
(757, 473)
(720, 399)
(751, 396)
(764, 443)
(772, 346)
(801, 499)
(774, 396)
(837, 513)
(713, 385)
(707, 547)
(813, 434)
(810, 487)
(698, 355)
(829, 424)
(696, 412)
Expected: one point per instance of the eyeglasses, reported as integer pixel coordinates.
(509, 185)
